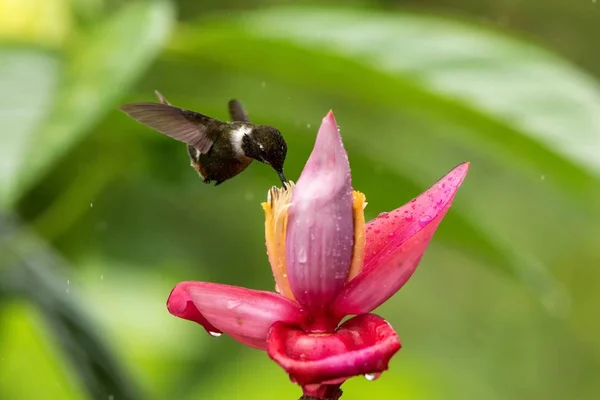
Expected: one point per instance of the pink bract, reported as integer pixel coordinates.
(327, 265)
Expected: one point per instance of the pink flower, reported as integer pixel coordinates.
(327, 265)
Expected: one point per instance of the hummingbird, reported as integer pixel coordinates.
(218, 150)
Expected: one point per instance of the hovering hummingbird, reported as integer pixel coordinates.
(218, 150)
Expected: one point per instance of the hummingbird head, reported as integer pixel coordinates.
(266, 144)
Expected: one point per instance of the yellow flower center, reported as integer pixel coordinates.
(276, 216)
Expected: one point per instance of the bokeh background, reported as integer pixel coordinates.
(100, 217)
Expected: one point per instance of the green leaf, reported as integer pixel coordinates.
(28, 80)
(100, 69)
(416, 95)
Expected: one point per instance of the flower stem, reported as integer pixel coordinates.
(332, 392)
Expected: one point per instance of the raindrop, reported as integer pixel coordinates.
(413, 200)
(391, 234)
(424, 220)
(215, 334)
(372, 376)
(302, 255)
(384, 214)
(231, 304)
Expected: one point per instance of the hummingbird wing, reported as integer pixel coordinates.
(186, 126)
(237, 111)
(161, 98)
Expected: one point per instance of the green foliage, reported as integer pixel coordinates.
(414, 94)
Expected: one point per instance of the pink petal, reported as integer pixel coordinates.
(320, 228)
(180, 305)
(395, 244)
(244, 314)
(361, 345)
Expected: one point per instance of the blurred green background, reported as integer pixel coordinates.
(100, 217)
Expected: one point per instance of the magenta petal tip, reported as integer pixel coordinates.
(320, 229)
(181, 305)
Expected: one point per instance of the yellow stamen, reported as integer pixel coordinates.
(276, 215)
(358, 253)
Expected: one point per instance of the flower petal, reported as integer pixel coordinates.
(361, 345)
(180, 305)
(395, 244)
(244, 314)
(320, 228)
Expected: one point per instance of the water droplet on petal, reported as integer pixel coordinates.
(409, 218)
(424, 220)
(384, 214)
(231, 304)
(413, 200)
(372, 376)
(302, 255)
(215, 334)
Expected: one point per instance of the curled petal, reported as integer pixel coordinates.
(395, 244)
(361, 345)
(244, 314)
(320, 228)
(180, 305)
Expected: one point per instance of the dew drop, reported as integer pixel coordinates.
(424, 220)
(302, 255)
(372, 376)
(231, 304)
(413, 200)
(215, 334)
(384, 214)
(391, 234)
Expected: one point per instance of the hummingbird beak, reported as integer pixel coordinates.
(282, 177)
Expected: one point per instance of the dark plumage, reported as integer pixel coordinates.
(218, 150)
